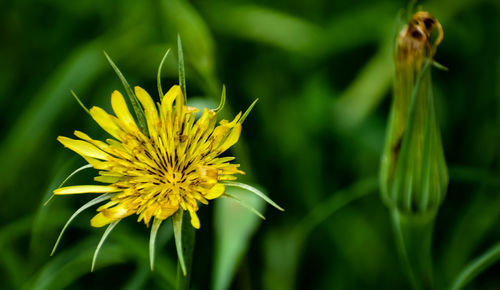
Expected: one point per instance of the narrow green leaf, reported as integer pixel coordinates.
(77, 212)
(80, 102)
(182, 71)
(188, 241)
(284, 248)
(242, 119)
(244, 204)
(152, 242)
(62, 271)
(255, 191)
(177, 224)
(101, 242)
(222, 100)
(138, 279)
(40, 115)
(158, 78)
(139, 112)
(477, 266)
(233, 229)
(68, 178)
(336, 201)
(365, 92)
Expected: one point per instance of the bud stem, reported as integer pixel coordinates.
(413, 236)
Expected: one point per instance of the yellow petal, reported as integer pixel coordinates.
(107, 122)
(149, 109)
(216, 191)
(169, 97)
(195, 221)
(208, 174)
(106, 179)
(108, 205)
(122, 112)
(99, 144)
(101, 165)
(118, 212)
(83, 148)
(219, 134)
(205, 123)
(166, 211)
(231, 139)
(86, 189)
(233, 122)
(100, 220)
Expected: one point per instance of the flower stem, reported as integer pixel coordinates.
(477, 266)
(413, 234)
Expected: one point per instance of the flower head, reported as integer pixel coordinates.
(172, 166)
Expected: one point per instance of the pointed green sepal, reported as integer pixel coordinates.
(439, 66)
(222, 100)
(253, 190)
(414, 176)
(66, 180)
(182, 70)
(139, 112)
(152, 242)
(101, 242)
(242, 119)
(244, 204)
(95, 201)
(184, 234)
(158, 77)
(177, 224)
(80, 102)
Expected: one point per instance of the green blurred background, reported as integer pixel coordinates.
(323, 72)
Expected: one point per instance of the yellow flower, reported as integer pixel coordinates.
(172, 167)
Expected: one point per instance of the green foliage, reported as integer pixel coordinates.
(322, 71)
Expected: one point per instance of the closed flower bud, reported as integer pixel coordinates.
(414, 176)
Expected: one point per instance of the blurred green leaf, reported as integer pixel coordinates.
(365, 92)
(266, 25)
(181, 17)
(38, 117)
(477, 266)
(234, 226)
(72, 264)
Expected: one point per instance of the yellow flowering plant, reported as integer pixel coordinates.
(163, 164)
